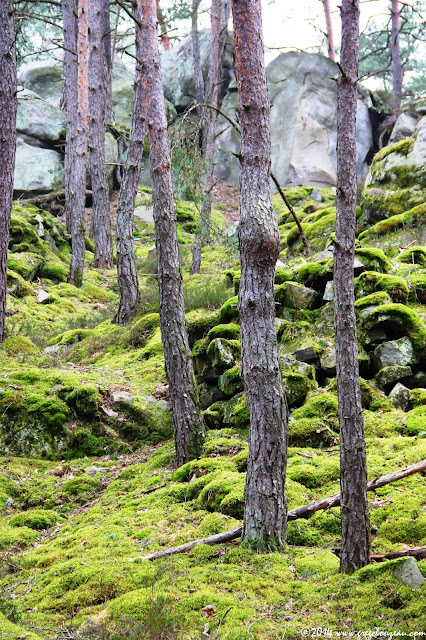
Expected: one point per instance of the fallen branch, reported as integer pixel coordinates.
(295, 514)
(416, 552)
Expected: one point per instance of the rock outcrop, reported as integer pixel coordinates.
(303, 95)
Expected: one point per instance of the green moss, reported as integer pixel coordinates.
(417, 284)
(418, 397)
(199, 324)
(401, 320)
(374, 259)
(85, 400)
(415, 217)
(413, 255)
(229, 311)
(81, 488)
(27, 264)
(55, 271)
(403, 148)
(230, 382)
(229, 331)
(143, 328)
(17, 286)
(35, 519)
(416, 421)
(316, 274)
(320, 404)
(372, 300)
(371, 282)
(19, 345)
(310, 432)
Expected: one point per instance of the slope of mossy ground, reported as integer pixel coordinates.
(84, 404)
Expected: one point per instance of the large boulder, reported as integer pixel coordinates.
(178, 69)
(43, 78)
(37, 169)
(303, 95)
(39, 119)
(396, 181)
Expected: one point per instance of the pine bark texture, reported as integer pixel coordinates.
(201, 238)
(8, 103)
(101, 219)
(75, 20)
(397, 68)
(329, 30)
(265, 513)
(198, 74)
(353, 467)
(128, 285)
(165, 40)
(187, 420)
(107, 45)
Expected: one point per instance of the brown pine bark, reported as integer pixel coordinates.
(329, 30)
(198, 74)
(101, 219)
(75, 20)
(107, 45)
(397, 68)
(202, 235)
(128, 285)
(265, 514)
(8, 103)
(187, 420)
(353, 467)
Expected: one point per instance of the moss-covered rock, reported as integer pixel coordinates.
(296, 296)
(371, 282)
(231, 382)
(298, 379)
(388, 376)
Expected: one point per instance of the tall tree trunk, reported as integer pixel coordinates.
(97, 100)
(353, 467)
(198, 73)
(75, 19)
(397, 68)
(329, 30)
(165, 40)
(201, 237)
(128, 285)
(187, 420)
(107, 44)
(8, 104)
(265, 513)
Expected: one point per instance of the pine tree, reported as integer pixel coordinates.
(8, 103)
(353, 466)
(265, 512)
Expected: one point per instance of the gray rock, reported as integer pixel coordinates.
(328, 363)
(296, 296)
(41, 295)
(316, 195)
(44, 78)
(122, 397)
(408, 573)
(232, 232)
(298, 378)
(144, 213)
(37, 170)
(396, 352)
(37, 118)
(303, 119)
(388, 376)
(328, 293)
(404, 128)
(306, 354)
(400, 397)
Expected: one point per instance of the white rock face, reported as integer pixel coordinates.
(303, 123)
(38, 118)
(404, 128)
(37, 170)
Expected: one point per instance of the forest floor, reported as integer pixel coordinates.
(88, 483)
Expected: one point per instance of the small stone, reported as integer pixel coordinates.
(400, 397)
(41, 295)
(316, 195)
(328, 293)
(122, 397)
(280, 263)
(407, 572)
(152, 253)
(93, 470)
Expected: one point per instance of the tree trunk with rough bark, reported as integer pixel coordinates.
(353, 467)
(397, 68)
(329, 30)
(265, 512)
(187, 420)
(8, 103)
(202, 235)
(107, 44)
(128, 285)
(75, 17)
(198, 74)
(101, 219)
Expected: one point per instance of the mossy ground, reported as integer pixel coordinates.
(95, 486)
